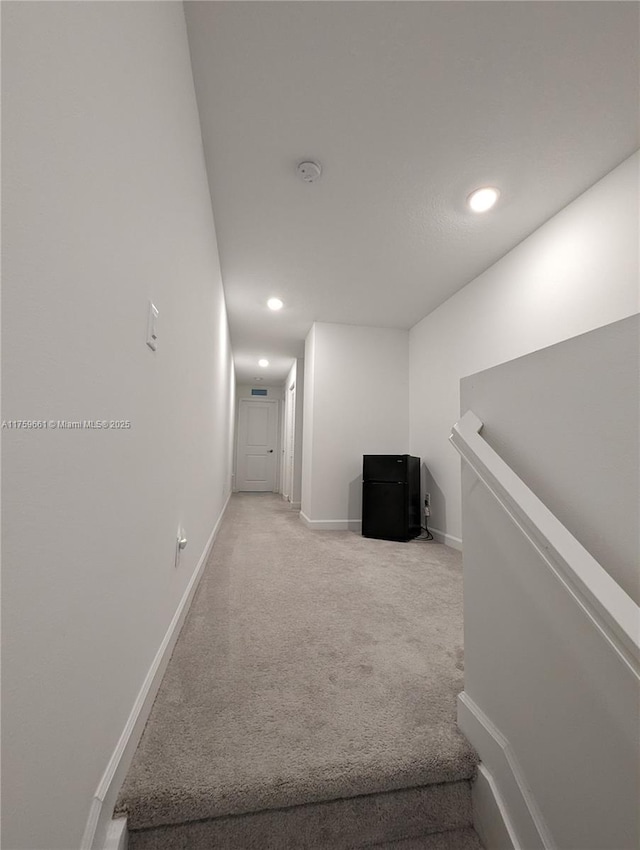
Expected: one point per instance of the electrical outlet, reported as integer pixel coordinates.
(427, 500)
(181, 542)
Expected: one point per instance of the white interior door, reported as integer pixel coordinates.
(257, 441)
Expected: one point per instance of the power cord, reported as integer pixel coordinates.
(423, 538)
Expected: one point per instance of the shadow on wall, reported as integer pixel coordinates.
(355, 504)
(438, 501)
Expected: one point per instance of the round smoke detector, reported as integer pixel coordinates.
(309, 171)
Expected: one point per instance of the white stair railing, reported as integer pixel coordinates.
(608, 606)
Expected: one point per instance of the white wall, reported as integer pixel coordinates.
(356, 402)
(566, 420)
(577, 272)
(105, 205)
(552, 685)
(537, 665)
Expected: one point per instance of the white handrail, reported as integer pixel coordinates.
(609, 607)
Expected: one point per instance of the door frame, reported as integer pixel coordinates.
(288, 441)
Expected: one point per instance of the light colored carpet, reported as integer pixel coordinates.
(313, 666)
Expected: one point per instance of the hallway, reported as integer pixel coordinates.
(313, 666)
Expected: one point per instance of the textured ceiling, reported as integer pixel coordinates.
(408, 106)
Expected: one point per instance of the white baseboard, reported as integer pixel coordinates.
(99, 833)
(503, 802)
(447, 539)
(490, 817)
(332, 524)
(117, 835)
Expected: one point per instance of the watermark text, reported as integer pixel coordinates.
(66, 424)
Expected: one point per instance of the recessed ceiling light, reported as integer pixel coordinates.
(275, 304)
(262, 362)
(483, 199)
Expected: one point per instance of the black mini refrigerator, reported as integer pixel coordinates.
(391, 497)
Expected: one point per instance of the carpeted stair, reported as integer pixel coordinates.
(455, 839)
(310, 699)
(430, 815)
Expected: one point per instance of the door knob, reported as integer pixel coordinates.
(270, 451)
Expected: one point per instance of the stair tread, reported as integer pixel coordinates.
(179, 801)
(339, 824)
(457, 839)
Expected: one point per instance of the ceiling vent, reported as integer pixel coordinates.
(309, 171)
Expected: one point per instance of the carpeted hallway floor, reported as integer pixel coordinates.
(313, 667)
